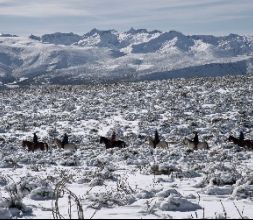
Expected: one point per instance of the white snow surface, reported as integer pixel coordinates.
(112, 55)
(137, 181)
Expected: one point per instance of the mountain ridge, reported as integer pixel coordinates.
(111, 55)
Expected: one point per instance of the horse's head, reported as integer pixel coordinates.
(150, 141)
(53, 142)
(25, 143)
(57, 143)
(185, 141)
(102, 140)
(230, 138)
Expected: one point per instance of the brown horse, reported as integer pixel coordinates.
(200, 146)
(60, 145)
(247, 144)
(35, 146)
(109, 144)
(157, 144)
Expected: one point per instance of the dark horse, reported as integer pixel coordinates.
(109, 144)
(32, 146)
(248, 144)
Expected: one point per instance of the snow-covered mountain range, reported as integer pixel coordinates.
(100, 56)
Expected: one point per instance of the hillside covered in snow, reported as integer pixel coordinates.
(138, 181)
(102, 56)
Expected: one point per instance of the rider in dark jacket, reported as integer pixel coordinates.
(65, 139)
(35, 138)
(157, 138)
(196, 139)
(241, 137)
(113, 138)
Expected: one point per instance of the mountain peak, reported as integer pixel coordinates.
(7, 35)
(141, 31)
(176, 33)
(100, 32)
(136, 31)
(33, 37)
(112, 54)
(61, 38)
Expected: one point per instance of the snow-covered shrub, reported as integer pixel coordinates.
(174, 203)
(168, 193)
(145, 194)
(71, 162)
(224, 179)
(27, 185)
(83, 180)
(243, 192)
(98, 181)
(3, 181)
(178, 204)
(15, 202)
(214, 190)
(110, 199)
(163, 169)
(9, 163)
(42, 193)
(186, 174)
(5, 213)
(4, 209)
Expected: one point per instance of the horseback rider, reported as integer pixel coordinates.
(196, 139)
(113, 138)
(157, 138)
(35, 138)
(241, 137)
(65, 140)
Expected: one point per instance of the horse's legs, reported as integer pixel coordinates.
(108, 146)
(195, 146)
(34, 146)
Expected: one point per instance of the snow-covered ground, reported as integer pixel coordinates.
(138, 181)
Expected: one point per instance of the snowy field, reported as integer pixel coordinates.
(138, 181)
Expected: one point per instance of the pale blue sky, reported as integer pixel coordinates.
(218, 17)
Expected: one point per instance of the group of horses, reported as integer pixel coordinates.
(31, 146)
(246, 144)
(154, 143)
